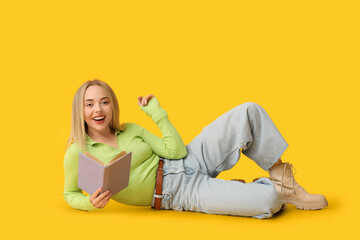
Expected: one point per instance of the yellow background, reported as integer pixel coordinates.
(298, 59)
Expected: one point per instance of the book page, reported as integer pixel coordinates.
(117, 157)
(94, 158)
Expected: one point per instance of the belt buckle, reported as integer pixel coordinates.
(160, 171)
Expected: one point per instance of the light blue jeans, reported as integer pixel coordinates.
(190, 184)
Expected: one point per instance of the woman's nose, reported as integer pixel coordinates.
(97, 107)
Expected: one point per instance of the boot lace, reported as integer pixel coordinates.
(292, 169)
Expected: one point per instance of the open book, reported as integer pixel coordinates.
(93, 173)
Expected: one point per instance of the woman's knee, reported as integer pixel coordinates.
(250, 105)
(275, 202)
(250, 109)
(271, 198)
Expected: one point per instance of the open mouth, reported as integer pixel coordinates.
(99, 119)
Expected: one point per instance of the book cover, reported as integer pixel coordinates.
(93, 173)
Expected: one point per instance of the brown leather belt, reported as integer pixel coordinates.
(158, 189)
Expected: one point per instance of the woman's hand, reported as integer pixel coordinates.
(101, 200)
(144, 100)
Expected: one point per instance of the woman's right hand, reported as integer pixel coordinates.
(101, 200)
(143, 101)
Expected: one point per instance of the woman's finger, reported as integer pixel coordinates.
(149, 97)
(95, 202)
(103, 205)
(95, 194)
(100, 199)
(145, 100)
(105, 199)
(101, 196)
(104, 194)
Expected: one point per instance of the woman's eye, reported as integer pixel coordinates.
(90, 104)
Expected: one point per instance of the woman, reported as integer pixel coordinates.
(186, 179)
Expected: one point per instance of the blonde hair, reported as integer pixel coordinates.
(78, 124)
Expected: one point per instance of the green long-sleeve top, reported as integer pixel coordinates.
(146, 149)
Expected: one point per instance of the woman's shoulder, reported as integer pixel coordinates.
(132, 126)
(72, 152)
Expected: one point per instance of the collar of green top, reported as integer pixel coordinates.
(90, 141)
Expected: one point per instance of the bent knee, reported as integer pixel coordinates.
(250, 105)
(274, 202)
(270, 196)
(250, 108)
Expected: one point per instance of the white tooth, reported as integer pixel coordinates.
(99, 118)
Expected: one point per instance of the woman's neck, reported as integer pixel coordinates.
(100, 135)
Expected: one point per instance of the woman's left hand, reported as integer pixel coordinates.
(144, 100)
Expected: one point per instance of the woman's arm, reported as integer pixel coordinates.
(72, 194)
(170, 146)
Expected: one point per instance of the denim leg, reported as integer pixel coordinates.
(190, 183)
(217, 196)
(197, 192)
(247, 127)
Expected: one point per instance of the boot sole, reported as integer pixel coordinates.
(305, 206)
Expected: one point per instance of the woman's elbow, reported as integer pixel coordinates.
(184, 153)
(180, 154)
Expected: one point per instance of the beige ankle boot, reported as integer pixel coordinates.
(291, 192)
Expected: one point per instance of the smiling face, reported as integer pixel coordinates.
(97, 109)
